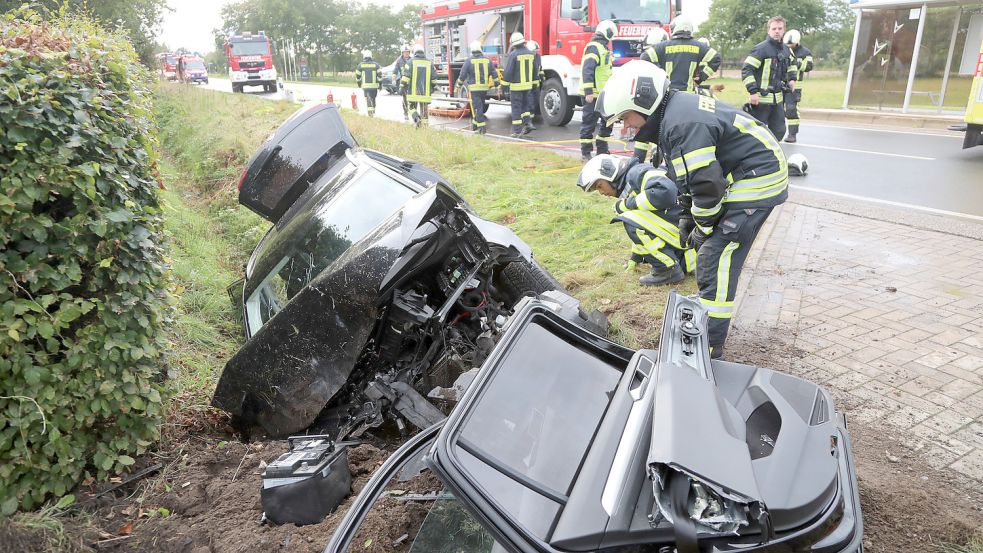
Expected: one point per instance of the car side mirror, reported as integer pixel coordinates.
(679, 6)
(576, 4)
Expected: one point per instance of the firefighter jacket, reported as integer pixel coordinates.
(521, 69)
(540, 75)
(650, 202)
(595, 66)
(720, 157)
(803, 64)
(687, 61)
(400, 66)
(367, 74)
(419, 79)
(479, 73)
(767, 70)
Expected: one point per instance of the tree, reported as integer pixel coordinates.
(734, 26)
(831, 44)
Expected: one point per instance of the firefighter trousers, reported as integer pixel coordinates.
(719, 263)
(771, 116)
(648, 248)
(590, 121)
(370, 94)
(419, 111)
(534, 101)
(478, 104)
(406, 108)
(520, 102)
(792, 100)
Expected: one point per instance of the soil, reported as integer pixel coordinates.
(209, 491)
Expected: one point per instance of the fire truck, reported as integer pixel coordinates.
(167, 66)
(561, 27)
(191, 69)
(250, 60)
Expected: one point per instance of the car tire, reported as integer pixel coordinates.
(555, 105)
(529, 278)
(463, 92)
(236, 89)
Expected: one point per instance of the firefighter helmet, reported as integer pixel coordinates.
(681, 24)
(607, 29)
(635, 86)
(601, 166)
(417, 49)
(475, 46)
(798, 165)
(516, 39)
(533, 45)
(655, 36)
(792, 37)
(366, 54)
(704, 40)
(406, 48)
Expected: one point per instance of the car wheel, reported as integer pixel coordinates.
(464, 92)
(555, 105)
(529, 278)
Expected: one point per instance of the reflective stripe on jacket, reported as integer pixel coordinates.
(478, 73)
(595, 66)
(419, 79)
(521, 69)
(767, 69)
(803, 63)
(686, 61)
(367, 74)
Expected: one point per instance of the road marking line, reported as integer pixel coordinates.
(862, 151)
(924, 132)
(889, 202)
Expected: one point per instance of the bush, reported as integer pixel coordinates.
(83, 280)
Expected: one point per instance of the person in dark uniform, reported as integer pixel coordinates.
(730, 171)
(803, 64)
(401, 65)
(479, 74)
(688, 61)
(767, 73)
(521, 70)
(537, 83)
(595, 69)
(367, 78)
(418, 82)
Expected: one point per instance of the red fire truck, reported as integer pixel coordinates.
(191, 69)
(250, 60)
(561, 27)
(167, 66)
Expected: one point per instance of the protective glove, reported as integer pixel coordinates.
(631, 265)
(686, 226)
(697, 238)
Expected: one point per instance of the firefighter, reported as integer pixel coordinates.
(767, 73)
(730, 171)
(418, 81)
(649, 211)
(652, 38)
(521, 69)
(803, 64)
(686, 60)
(402, 62)
(479, 74)
(595, 67)
(367, 78)
(537, 83)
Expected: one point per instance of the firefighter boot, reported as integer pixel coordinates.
(663, 275)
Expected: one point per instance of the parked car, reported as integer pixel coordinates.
(568, 442)
(376, 286)
(389, 81)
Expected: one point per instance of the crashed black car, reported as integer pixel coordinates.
(376, 285)
(567, 442)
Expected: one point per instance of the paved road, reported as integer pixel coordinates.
(926, 170)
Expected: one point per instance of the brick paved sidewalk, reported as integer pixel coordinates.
(888, 317)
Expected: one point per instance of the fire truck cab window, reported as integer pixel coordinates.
(566, 9)
(249, 48)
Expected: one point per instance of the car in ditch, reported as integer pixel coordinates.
(567, 442)
(375, 289)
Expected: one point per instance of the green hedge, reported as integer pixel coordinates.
(83, 280)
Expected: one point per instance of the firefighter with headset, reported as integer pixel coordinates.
(803, 64)
(521, 70)
(367, 78)
(479, 74)
(595, 69)
(418, 82)
(730, 171)
(649, 211)
(400, 66)
(768, 72)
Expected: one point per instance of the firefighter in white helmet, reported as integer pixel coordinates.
(399, 67)
(521, 70)
(418, 81)
(367, 78)
(730, 170)
(478, 74)
(802, 58)
(595, 69)
(649, 211)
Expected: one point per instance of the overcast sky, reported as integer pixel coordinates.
(189, 23)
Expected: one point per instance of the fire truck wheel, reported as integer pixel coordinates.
(555, 104)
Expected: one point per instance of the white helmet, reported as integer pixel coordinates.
(533, 45)
(792, 37)
(798, 165)
(607, 29)
(601, 166)
(406, 48)
(516, 39)
(704, 40)
(475, 46)
(655, 36)
(417, 49)
(635, 86)
(681, 24)
(366, 54)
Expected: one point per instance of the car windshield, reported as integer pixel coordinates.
(309, 246)
(170, 60)
(634, 10)
(249, 48)
(196, 65)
